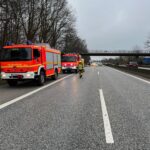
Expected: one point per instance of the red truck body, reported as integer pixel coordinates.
(70, 62)
(29, 62)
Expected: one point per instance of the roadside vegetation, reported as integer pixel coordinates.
(47, 21)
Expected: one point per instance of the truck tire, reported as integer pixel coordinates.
(63, 71)
(12, 82)
(41, 78)
(55, 76)
(76, 71)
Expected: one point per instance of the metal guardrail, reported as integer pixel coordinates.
(140, 72)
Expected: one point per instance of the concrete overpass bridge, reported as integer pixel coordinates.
(117, 53)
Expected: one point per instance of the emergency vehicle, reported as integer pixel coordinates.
(29, 62)
(70, 62)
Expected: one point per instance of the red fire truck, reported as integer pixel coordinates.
(29, 62)
(70, 62)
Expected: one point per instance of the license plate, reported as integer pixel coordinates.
(14, 76)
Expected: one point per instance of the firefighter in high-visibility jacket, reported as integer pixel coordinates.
(81, 69)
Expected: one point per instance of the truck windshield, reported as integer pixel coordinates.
(16, 54)
(68, 59)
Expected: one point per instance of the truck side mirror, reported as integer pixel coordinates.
(36, 53)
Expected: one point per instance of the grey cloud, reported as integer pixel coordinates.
(112, 24)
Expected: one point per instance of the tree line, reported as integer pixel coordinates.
(47, 21)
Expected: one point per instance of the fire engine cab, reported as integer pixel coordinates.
(70, 62)
(29, 62)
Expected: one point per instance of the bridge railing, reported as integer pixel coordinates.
(119, 51)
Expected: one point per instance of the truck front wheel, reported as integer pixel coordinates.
(41, 78)
(76, 71)
(55, 76)
(12, 82)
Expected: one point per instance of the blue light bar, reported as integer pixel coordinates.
(29, 42)
(8, 43)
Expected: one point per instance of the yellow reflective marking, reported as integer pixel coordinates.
(20, 66)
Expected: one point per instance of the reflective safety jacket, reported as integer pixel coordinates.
(80, 66)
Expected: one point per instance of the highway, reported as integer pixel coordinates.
(105, 110)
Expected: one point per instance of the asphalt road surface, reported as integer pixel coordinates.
(105, 110)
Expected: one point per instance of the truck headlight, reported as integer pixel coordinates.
(3, 75)
(28, 75)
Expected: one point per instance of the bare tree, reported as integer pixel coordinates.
(56, 18)
(49, 21)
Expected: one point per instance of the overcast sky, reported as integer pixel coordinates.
(112, 24)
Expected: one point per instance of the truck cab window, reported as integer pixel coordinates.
(36, 53)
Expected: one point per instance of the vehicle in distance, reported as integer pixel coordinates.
(100, 64)
(70, 62)
(132, 64)
(146, 61)
(29, 62)
(94, 64)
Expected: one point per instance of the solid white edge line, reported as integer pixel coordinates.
(107, 126)
(30, 93)
(143, 68)
(127, 74)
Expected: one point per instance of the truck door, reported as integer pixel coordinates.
(36, 56)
